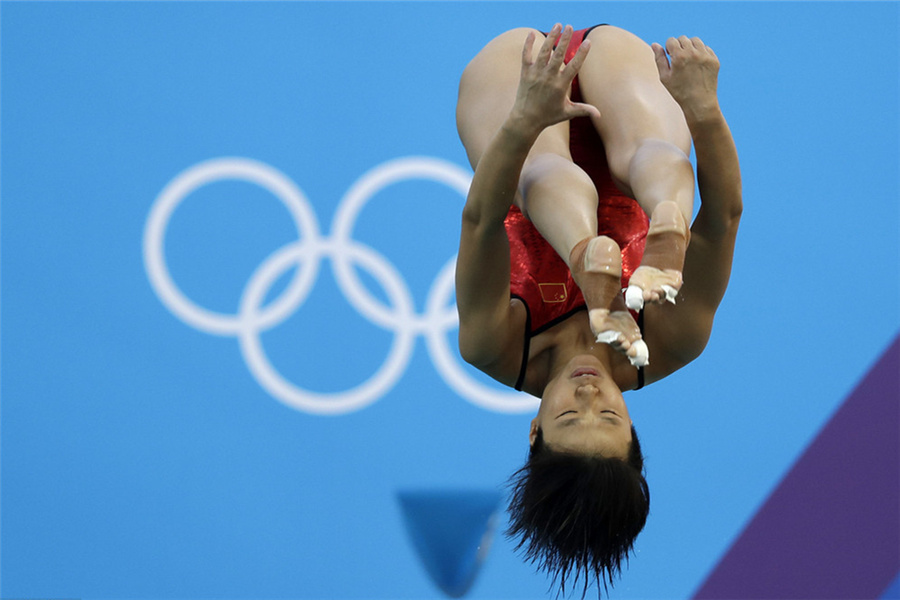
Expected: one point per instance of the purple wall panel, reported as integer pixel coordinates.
(831, 529)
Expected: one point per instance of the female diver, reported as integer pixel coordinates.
(573, 147)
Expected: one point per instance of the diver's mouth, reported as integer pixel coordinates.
(584, 371)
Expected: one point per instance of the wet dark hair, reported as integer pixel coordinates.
(577, 515)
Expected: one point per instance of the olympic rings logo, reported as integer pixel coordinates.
(307, 254)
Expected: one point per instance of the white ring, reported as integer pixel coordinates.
(318, 403)
(440, 316)
(176, 191)
(362, 191)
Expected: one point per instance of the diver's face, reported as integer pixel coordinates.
(582, 410)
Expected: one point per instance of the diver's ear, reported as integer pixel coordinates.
(532, 435)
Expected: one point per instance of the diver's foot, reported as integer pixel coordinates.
(658, 279)
(618, 329)
(596, 266)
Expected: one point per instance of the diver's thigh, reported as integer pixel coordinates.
(620, 78)
(487, 92)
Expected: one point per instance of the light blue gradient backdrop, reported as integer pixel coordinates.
(141, 459)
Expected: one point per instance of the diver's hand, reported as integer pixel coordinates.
(690, 72)
(542, 98)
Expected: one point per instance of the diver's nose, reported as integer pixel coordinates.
(587, 391)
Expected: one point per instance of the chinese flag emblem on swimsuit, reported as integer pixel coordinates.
(553, 292)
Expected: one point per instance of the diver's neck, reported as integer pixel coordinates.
(581, 341)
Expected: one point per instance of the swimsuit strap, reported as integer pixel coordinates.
(526, 346)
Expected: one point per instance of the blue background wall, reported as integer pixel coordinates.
(141, 455)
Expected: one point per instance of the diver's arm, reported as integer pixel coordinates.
(488, 329)
(491, 325)
(682, 331)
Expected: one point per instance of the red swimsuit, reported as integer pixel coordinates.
(538, 276)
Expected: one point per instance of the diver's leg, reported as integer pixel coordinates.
(647, 144)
